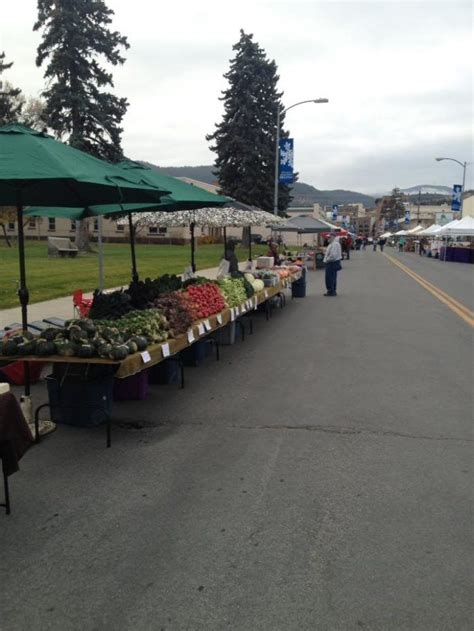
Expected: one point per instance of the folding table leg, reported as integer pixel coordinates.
(7, 494)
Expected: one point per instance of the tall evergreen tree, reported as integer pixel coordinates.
(11, 101)
(393, 209)
(244, 140)
(76, 38)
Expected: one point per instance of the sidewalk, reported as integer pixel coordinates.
(62, 307)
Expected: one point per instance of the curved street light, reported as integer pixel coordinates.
(280, 113)
(464, 165)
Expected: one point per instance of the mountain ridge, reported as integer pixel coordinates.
(304, 195)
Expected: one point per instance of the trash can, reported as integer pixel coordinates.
(298, 287)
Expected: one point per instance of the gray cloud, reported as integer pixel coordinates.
(398, 76)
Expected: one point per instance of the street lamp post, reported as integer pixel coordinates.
(464, 165)
(280, 113)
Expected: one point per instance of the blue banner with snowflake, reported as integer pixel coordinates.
(456, 199)
(286, 161)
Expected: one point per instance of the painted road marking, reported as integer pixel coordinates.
(457, 307)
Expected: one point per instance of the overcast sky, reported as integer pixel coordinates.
(398, 76)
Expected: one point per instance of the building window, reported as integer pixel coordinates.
(73, 225)
(120, 228)
(52, 224)
(152, 230)
(96, 225)
(11, 226)
(163, 230)
(31, 224)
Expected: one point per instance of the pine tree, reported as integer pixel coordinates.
(245, 138)
(76, 39)
(11, 101)
(393, 209)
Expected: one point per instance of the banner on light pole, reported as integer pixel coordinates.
(286, 161)
(456, 199)
(407, 216)
(335, 211)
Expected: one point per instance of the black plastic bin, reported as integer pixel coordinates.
(298, 287)
(319, 259)
(80, 399)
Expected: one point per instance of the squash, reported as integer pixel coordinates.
(9, 347)
(104, 350)
(44, 347)
(132, 346)
(140, 341)
(249, 277)
(258, 285)
(85, 350)
(118, 352)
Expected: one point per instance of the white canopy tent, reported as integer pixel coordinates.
(459, 228)
(430, 230)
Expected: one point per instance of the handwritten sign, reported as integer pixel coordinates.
(165, 350)
(146, 357)
(191, 337)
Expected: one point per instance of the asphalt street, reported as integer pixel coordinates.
(318, 477)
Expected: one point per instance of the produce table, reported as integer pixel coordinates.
(157, 353)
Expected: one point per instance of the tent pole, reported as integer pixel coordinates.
(250, 243)
(23, 290)
(101, 254)
(225, 240)
(193, 262)
(131, 230)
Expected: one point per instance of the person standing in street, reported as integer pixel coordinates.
(382, 243)
(375, 244)
(364, 242)
(332, 259)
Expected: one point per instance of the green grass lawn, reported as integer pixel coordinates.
(49, 278)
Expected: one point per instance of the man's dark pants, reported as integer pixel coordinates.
(331, 276)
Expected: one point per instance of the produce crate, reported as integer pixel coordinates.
(133, 388)
(195, 354)
(270, 282)
(164, 373)
(79, 402)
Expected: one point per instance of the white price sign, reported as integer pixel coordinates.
(201, 329)
(219, 318)
(191, 337)
(165, 350)
(146, 357)
(232, 315)
(207, 325)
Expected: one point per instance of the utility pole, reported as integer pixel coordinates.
(419, 202)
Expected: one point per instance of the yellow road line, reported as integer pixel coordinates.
(457, 307)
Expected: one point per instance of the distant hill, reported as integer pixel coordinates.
(303, 194)
(427, 189)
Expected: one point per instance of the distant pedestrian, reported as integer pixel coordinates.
(273, 251)
(401, 244)
(332, 259)
(358, 242)
(374, 243)
(365, 240)
(382, 243)
(231, 257)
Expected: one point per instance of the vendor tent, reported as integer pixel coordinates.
(430, 230)
(415, 231)
(181, 196)
(458, 228)
(36, 169)
(227, 216)
(303, 224)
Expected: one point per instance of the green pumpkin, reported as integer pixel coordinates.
(9, 347)
(118, 352)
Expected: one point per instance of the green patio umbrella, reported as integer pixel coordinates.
(36, 169)
(181, 196)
